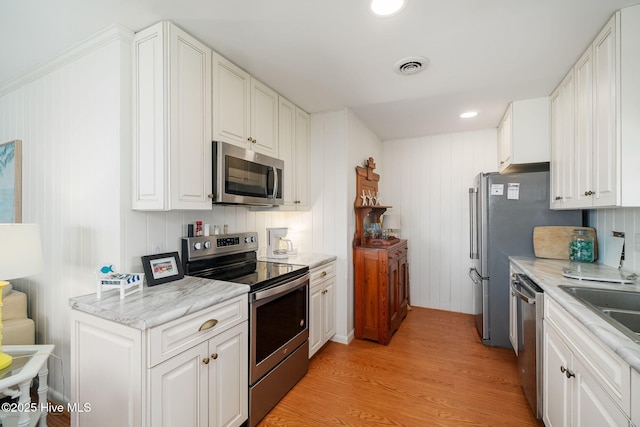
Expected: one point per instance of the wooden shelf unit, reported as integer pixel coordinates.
(381, 269)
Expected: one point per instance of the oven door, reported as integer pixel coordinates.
(278, 324)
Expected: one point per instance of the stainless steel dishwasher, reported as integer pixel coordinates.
(530, 313)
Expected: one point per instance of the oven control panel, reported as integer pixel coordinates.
(209, 246)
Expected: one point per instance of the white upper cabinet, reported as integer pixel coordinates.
(607, 107)
(523, 135)
(231, 102)
(245, 111)
(172, 126)
(563, 188)
(293, 132)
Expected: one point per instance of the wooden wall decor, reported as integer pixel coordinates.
(367, 202)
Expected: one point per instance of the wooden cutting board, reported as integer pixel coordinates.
(553, 241)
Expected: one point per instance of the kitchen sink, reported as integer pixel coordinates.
(620, 308)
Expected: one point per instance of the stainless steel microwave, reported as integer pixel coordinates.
(244, 177)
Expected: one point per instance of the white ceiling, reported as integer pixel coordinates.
(327, 54)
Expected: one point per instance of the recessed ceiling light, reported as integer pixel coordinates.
(468, 115)
(386, 7)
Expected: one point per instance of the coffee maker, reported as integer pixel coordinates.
(278, 247)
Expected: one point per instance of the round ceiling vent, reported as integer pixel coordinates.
(411, 65)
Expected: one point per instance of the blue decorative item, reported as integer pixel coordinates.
(106, 269)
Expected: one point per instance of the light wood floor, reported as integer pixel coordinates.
(435, 372)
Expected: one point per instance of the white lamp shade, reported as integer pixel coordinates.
(20, 251)
(391, 222)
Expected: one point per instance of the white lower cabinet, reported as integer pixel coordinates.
(322, 324)
(635, 398)
(584, 382)
(171, 375)
(205, 385)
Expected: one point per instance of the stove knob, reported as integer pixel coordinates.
(197, 246)
(207, 244)
(247, 239)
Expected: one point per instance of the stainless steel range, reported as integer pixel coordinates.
(278, 311)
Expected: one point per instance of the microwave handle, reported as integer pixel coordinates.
(275, 182)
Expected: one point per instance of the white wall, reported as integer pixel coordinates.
(340, 142)
(69, 115)
(426, 180)
(621, 219)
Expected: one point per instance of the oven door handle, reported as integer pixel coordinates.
(298, 283)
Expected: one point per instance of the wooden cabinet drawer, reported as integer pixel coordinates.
(397, 252)
(612, 373)
(167, 340)
(322, 272)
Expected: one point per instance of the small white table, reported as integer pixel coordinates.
(29, 361)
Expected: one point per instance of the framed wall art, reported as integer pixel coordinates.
(11, 182)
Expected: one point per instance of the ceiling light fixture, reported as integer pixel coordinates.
(386, 7)
(468, 115)
(411, 65)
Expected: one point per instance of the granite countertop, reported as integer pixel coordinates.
(547, 274)
(310, 259)
(160, 304)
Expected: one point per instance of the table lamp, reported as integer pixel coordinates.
(391, 224)
(20, 256)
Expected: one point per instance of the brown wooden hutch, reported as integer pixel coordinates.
(381, 270)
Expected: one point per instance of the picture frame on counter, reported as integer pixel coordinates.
(162, 268)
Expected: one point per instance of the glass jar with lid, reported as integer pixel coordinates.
(581, 248)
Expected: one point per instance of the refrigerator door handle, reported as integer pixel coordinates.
(473, 223)
(475, 276)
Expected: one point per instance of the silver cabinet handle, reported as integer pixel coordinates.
(567, 372)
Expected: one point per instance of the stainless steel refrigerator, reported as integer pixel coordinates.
(503, 210)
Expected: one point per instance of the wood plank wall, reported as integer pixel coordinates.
(426, 180)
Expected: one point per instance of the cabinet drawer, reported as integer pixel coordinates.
(397, 252)
(612, 373)
(322, 272)
(169, 339)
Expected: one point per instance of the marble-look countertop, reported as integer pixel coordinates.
(547, 274)
(159, 304)
(310, 259)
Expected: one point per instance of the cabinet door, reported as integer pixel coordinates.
(302, 144)
(592, 407)
(228, 373)
(190, 128)
(562, 145)
(329, 309)
(316, 295)
(505, 139)
(264, 119)
(287, 149)
(394, 292)
(403, 286)
(513, 320)
(584, 129)
(178, 389)
(556, 389)
(605, 118)
(149, 151)
(231, 102)
(556, 166)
